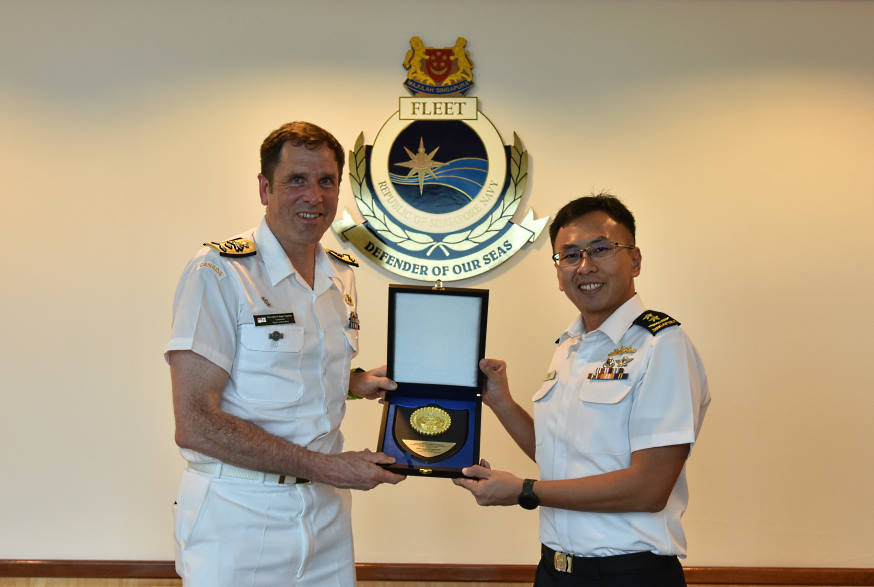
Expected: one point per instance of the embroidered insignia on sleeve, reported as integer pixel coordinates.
(236, 247)
(217, 271)
(655, 321)
(343, 257)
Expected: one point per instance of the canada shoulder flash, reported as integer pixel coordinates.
(235, 247)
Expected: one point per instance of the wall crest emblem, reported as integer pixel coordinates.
(438, 189)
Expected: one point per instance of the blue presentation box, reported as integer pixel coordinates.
(436, 338)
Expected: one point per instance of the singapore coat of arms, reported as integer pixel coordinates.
(438, 189)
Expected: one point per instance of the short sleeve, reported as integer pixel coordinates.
(671, 397)
(205, 312)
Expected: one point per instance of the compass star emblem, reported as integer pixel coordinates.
(421, 163)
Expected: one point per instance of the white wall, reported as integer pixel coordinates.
(740, 133)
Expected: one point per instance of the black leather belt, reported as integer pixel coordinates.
(598, 565)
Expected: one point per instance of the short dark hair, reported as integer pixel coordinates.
(603, 202)
(299, 133)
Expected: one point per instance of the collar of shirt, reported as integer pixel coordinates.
(614, 327)
(279, 266)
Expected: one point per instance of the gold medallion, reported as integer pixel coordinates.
(430, 421)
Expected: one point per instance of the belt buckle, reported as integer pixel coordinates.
(563, 563)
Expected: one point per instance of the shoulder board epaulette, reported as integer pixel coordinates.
(655, 321)
(236, 247)
(343, 257)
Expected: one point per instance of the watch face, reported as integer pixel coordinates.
(527, 503)
(528, 499)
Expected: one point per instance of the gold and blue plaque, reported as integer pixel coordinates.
(436, 338)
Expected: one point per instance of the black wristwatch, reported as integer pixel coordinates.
(528, 499)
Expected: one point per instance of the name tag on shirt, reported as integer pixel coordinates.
(273, 319)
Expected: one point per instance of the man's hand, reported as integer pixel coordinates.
(496, 391)
(496, 395)
(358, 470)
(371, 384)
(490, 487)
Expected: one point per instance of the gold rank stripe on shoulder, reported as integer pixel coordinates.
(235, 247)
(655, 321)
(343, 257)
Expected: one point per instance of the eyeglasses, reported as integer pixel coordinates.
(572, 258)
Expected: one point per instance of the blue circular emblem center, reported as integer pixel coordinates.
(438, 167)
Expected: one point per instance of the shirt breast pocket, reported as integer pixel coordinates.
(269, 363)
(605, 410)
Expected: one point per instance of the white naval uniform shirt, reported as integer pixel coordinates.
(586, 427)
(294, 383)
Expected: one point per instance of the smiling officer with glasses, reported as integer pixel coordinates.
(614, 421)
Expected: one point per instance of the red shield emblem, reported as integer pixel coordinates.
(438, 63)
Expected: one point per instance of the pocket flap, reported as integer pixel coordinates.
(285, 338)
(604, 392)
(544, 389)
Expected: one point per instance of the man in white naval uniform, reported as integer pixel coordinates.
(264, 328)
(614, 421)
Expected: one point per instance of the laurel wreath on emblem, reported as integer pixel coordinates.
(418, 241)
